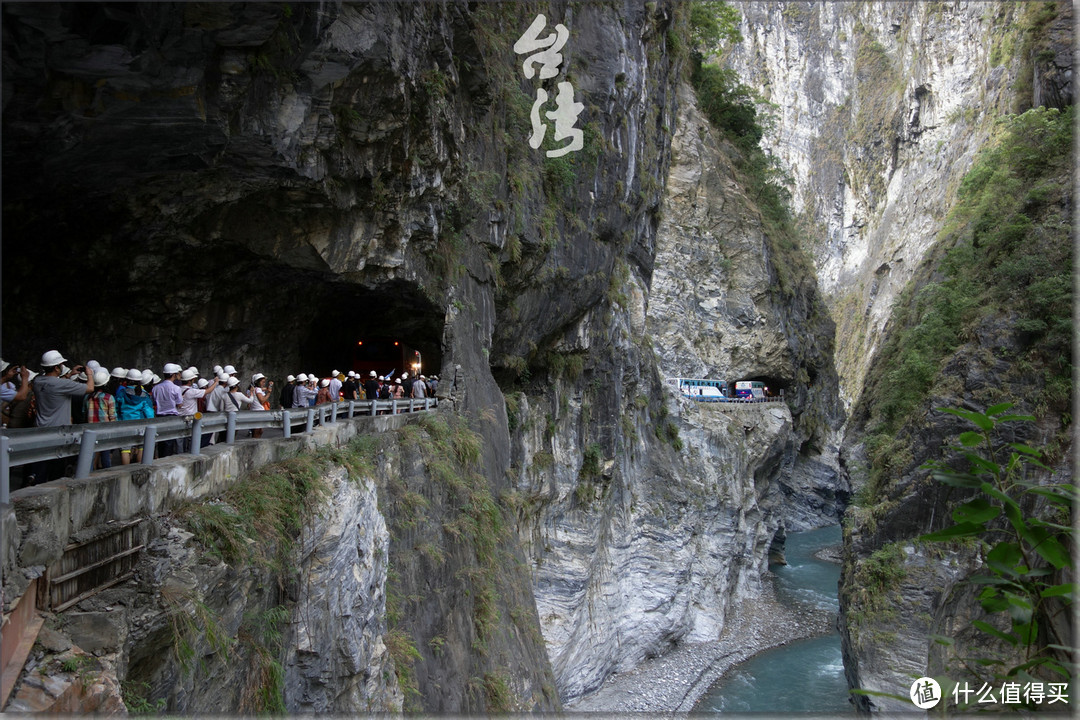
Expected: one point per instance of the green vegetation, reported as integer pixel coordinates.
(1028, 562)
(500, 698)
(1005, 252)
(732, 108)
(261, 635)
(136, 696)
(459, 522)
(269, 505)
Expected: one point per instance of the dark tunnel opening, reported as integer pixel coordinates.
(142, 302)
(391, 329)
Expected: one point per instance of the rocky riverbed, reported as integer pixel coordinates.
(674, 682)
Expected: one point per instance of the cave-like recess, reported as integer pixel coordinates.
(151, 218)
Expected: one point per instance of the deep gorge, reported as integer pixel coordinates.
(264, 184)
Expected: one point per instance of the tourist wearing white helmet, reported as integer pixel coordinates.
(287, 391)
(190, 404)
(167, 400)
(234, 399)
(304, 395)
(52, 394)
(14, 394)
(101, 407)
(349, 388)
(334, 387)
(371, 386)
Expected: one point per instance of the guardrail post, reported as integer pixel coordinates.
(352, 408)
(412, 405)
(5, 468)
(310, 419)
(230, 428)
(373, 404)
(286, 424)
(393, 406)
(149, 442)
(196, 436)
(333, 412)
(87, 444)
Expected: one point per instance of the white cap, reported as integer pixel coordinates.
(256, 377)
(229, 370)
(52, 359)
(93, 364)
(119, 372)
(302, 377)
(290, 378)
(324, 382)
(134, 374)
(233, 382)
(188, 375)
(202, 382)
(101, 376)
(372, 374)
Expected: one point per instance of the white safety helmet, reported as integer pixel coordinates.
(324, 383)
(302, 377)
(202, 383)
(188, 375)
(135, 374)
(290, 378)
(233, 382)
(119, 372)
(171, 369)
(101, 376)
(52, 358)
(92, 364)
(148, 375)
(217, 369)
(229, 370)
(372, 374)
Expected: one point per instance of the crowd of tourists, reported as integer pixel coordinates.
(92, 393)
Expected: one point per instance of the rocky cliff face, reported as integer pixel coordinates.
(880, 109)
(265, 184)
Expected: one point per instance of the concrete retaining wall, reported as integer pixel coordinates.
(42, 520)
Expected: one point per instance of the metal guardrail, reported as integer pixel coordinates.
(28, 445)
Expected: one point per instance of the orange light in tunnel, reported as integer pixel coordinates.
(360, 342)
(395, 343)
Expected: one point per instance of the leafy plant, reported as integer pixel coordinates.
(1027, 560)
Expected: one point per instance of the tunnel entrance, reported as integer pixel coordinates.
(160, 300)
(390, 329)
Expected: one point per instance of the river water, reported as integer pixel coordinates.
(805, 676)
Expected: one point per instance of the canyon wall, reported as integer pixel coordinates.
(264, 185)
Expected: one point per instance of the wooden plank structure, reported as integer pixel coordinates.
(89, 566)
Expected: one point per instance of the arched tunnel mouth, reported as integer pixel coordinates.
(144, 304)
